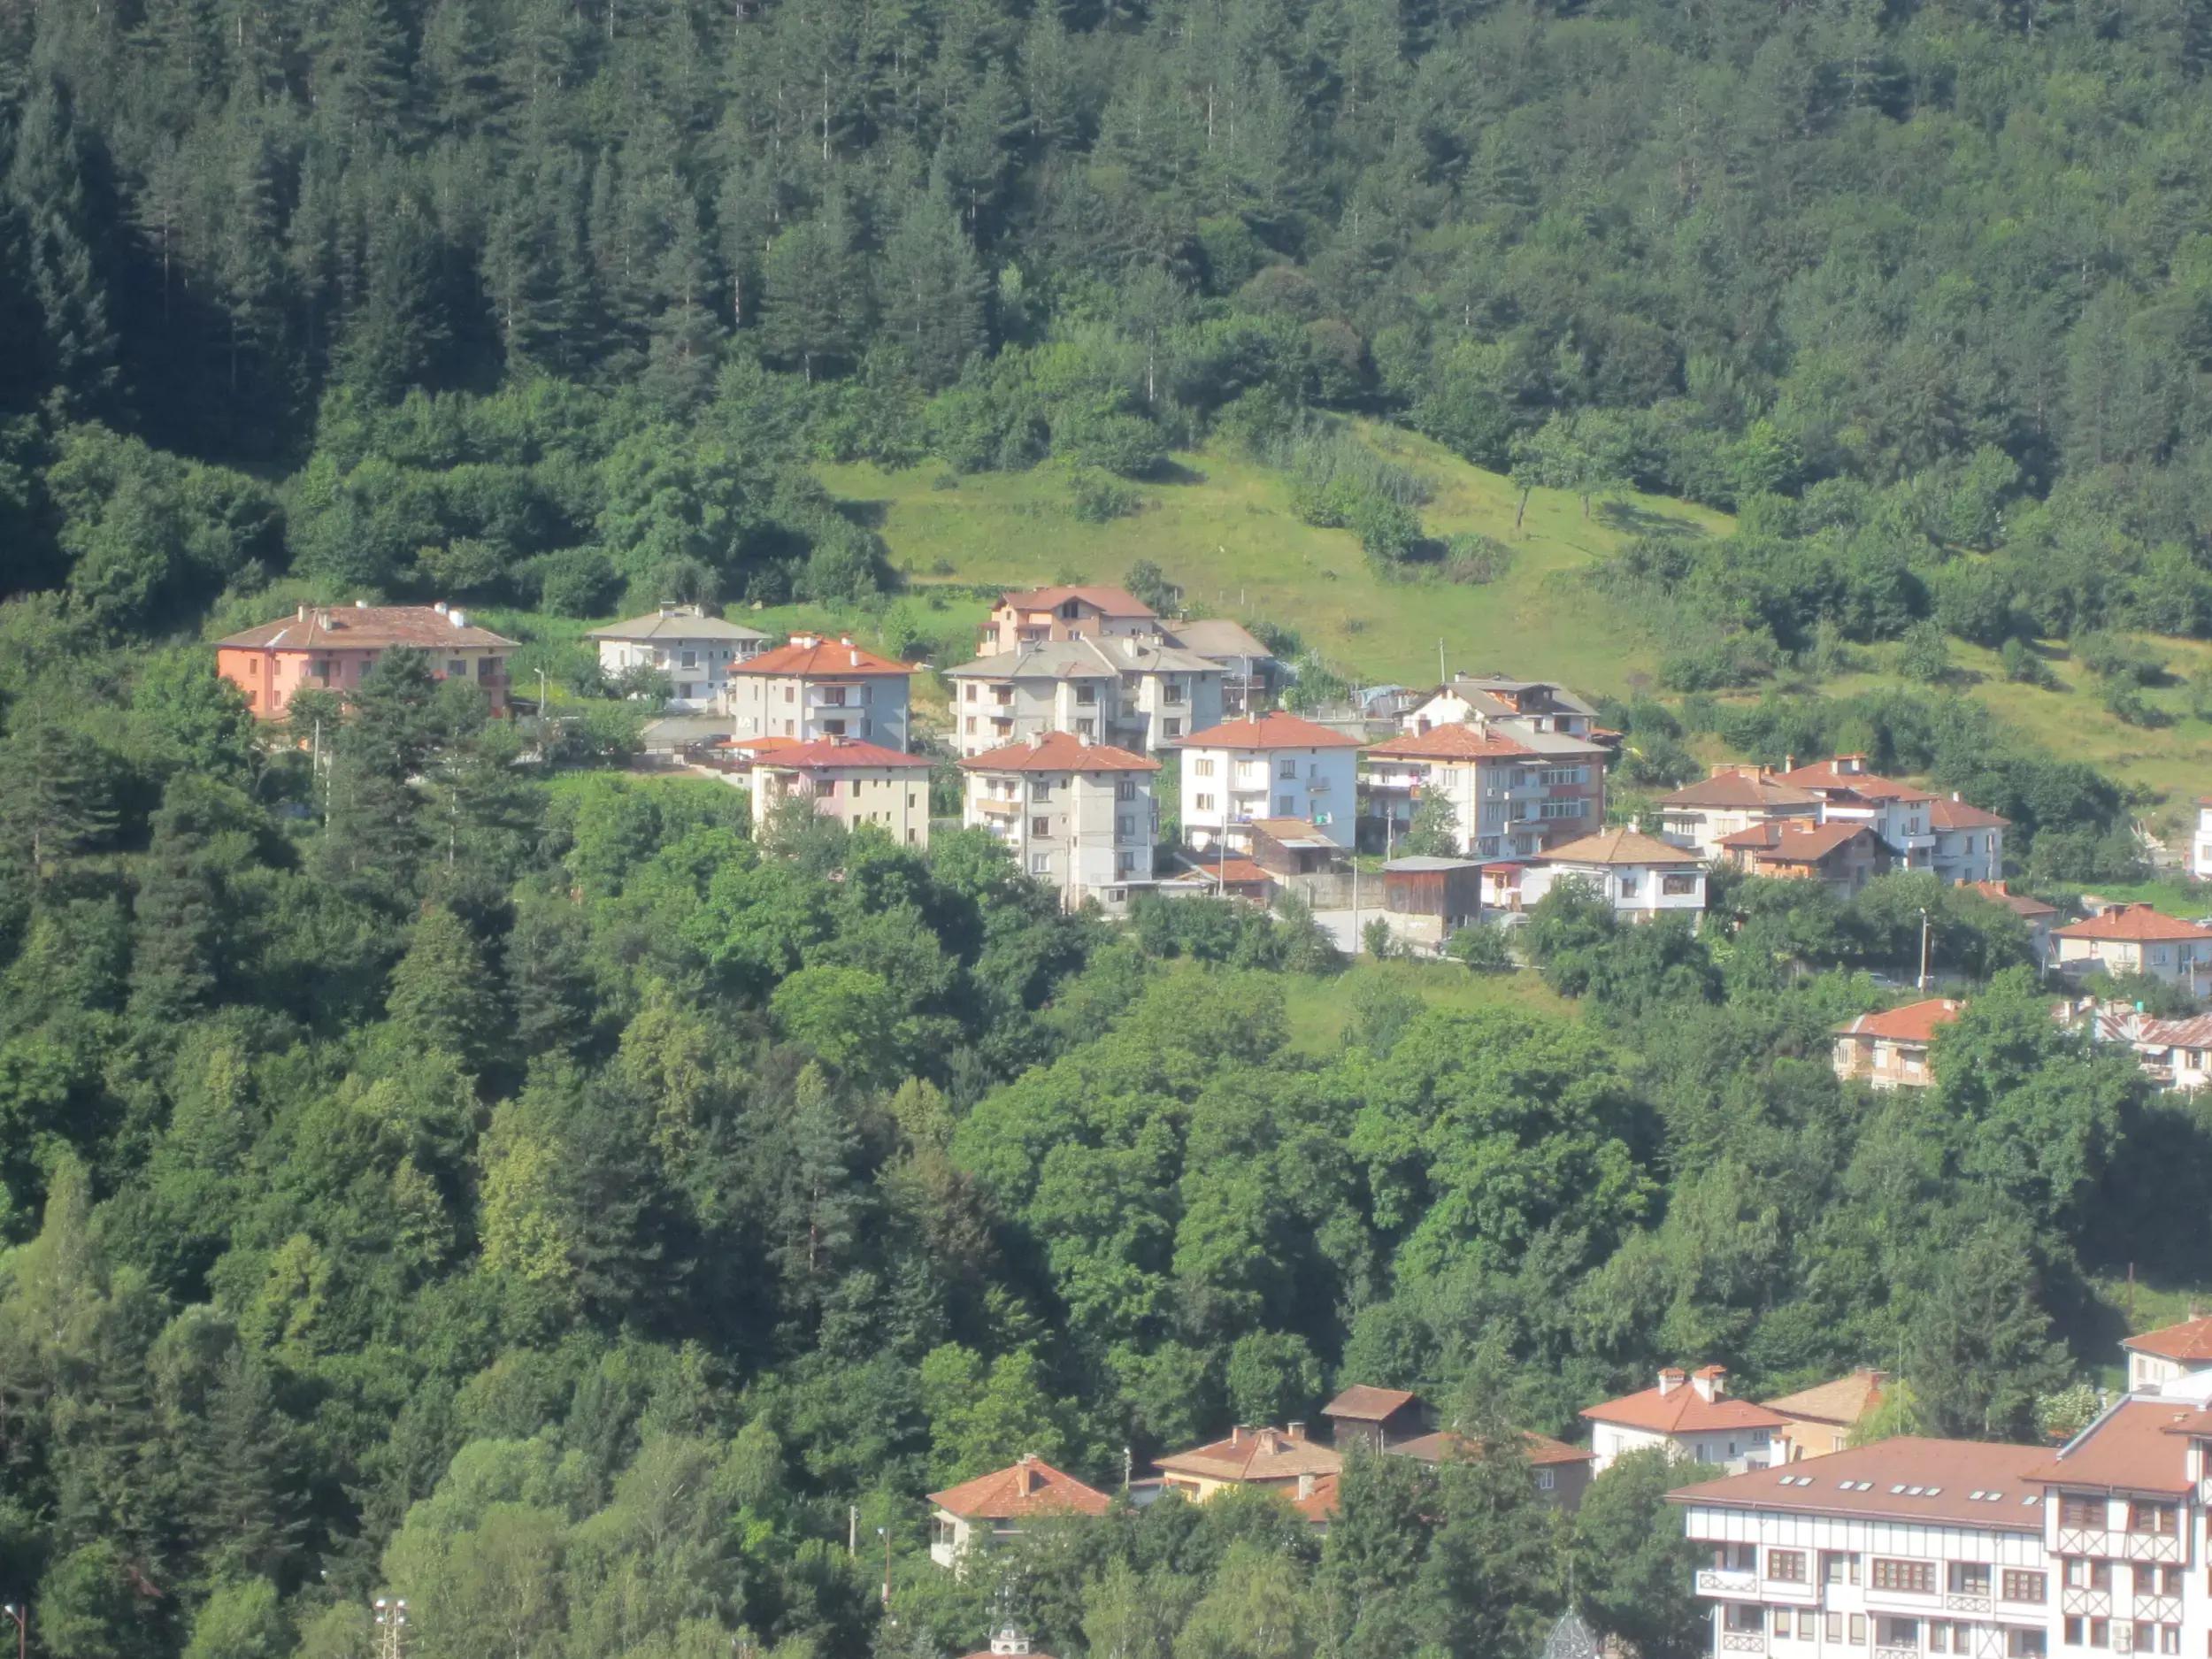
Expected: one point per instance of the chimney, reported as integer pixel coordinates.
(302, 615)
(1305, 1487)
(1236, 1434)
(360, 604)
(1709, 1381)
(1670, 1380)
(439, 607)
(809, 640)
(458, 618)
(1271, 1440)
(1297, 1431)
(1789, 763)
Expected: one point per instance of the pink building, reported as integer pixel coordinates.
(330, 648)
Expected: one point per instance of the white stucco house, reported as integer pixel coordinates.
(1693, 1416)
(693, 648)
(1642, 878)
(1274, 765)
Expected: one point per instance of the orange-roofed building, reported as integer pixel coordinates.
(1077, 816)
(1694, 1416)
(815, 686)
(2170, 1352)
(1516, 792)
(1731, 800)
(1890, 1049)
(1845, 856)
(1269, 765)
(1898, 813)
(2039, 917)
(331, 647)
(2138, 939)
(853, 782)
(1376, 1418)
(1641, 877)
(1043, 614)
(1969, 841)
(1559, 1472)
(994, 1509)
(1276, 1459)
(1823, 1416)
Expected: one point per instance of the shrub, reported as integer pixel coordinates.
(2023, 666)
(1481, 947)
(2110, 657)
(1376, 937)
(1925, 656)
(1475, 559)
(1097, 497)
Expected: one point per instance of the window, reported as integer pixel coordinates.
(2169, 1581)
(2170, 1638)
(1629, 885)
(1173, 691)
(1563, 777)
(2023, 1587)
(1545, 1480)
(1896, 1632)
(972, 725)
(690, 659)
(1805, 1624)
(833, 696)
(1915, 1577)
(2077, 1511)
(1787, 1565)
(1858, 1630)
(971, 691)
(2161, 1518)
(455, 668)
(1126, 827)
(2082, 1574)
(1676, 887)
(1040, 863)
(1203, 768)
(1125, 790)
(1040, 826)
(1171, 728)
(1287, 772)
(1559, 809)
(2145, 1637)
(1040, 792)
(1839, 1566)
(1835, 1628)
(1286, 806)
(1969, 1578)
(1087, 728)
(2073, 1631)
(2024, 1644)
(1086, 696)
(1202, 803)
(787, 694)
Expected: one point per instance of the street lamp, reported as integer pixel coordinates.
(391, 1627)
(22, 1628)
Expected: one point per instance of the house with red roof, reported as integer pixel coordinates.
(1845, 856)
(1693, 1416)
(2136, 939)
(853, 782)
(1822, 1418)
(994, 1509)
(1969, 841)
(1560, 1473)
(1641, 877)
(1514, 791)
(814, 687)
(1729, 801)
(1898, 813)
(2039, 917)
(1890, 1049)
(1077, 816)
(2169, 1353)
(331, 647)
(1273, 765)
(1038, 615)
(1286, 1460)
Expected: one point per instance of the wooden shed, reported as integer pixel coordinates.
(1449, 889)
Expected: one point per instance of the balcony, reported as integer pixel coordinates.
(1727, 1581)
(1743, 1641)
(1956, 1603)
(991, 807)
(1897, 1652)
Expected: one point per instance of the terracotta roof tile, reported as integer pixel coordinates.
(1906, 1479)
(1788, 843)
(2133, 922)
(367, 628)
(811, 658)
(1255, 1454)
(1914, 1022)
(1032, 1487)
(681, 625)
(1058, 751)
(2018, 904)
(1114, 602)
(1319, 1505)
(2126, 1449)
(1274, 730)
(1450, 742)
(1446, 1446)
(1842, 1401)
(1365, 1403)
(1682, 1409)
(1620, 847)
(1828, 776)
(2190, 1340)
(836, 754)
(1735, 790)
(1964, 815)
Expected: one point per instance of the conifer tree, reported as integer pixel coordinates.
(50, 231)
(441, 993)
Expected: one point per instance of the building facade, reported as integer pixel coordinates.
(1272, 766)
(1642, 878)
(1898, 813)
(1042, 614)
(1890, 1049)
(1511, 796)
(1846, 856)
(1133, 693)
(693, 648)
(332, 648)
(853, 782)
(1702, 815)
(1077, 816)
(2136, 939)
(815, 687)
(1970, 842)
(1692, 1416)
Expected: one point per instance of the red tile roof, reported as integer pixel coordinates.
(2190, 1340)
(1059, 751)
(1789, 843)
(1973, 1483)
(1620, 847)
(1030, 1487)
(841, 754)
(368, 628)
(1236, 872)
(808, 657)
(1320, 1504)
(1828, 776)
(1737, 789)
(1447, 1446)
(1449, 742)
(1365, 1403)
(2132, 923)
(1682, 1409)
(1272, 730)
(2018, 904)
(1114, 602)
(2126, 1449)
(1842, 1401)
(1914, 1022)
(1964, 815)
(1255, 1454)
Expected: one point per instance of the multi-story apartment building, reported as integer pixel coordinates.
(2200, 843)
(693, 648)
(1923, 1547)
(331, 647)
(1136, 693)
(1890, 1049)
(1702, 815)
(1640, 878)
(1077, 816)
(1514, 795)
(817, 687)
(1274, 765)
(1897, 813)
(1041, 614)
(853, 782)
(1485, 700)
(1970, 842)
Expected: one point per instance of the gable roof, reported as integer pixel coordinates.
(1219, 637)
(1914, 1022)
(1058, 751)
(675, 624)
(2190, 1340)
(1291, 831)
(1113, 602)
(1030, 1487)
(1972, 1483)
(2132, 923)
(1954, 814)
(810, 657)
(1832, 777)
(1450, 742)
(1445, 1446)
(1788, 843)
(2126, 1449)
(1738, 789)
(1320, 1504)
(1255, 1454)
(840, 754)
(1273, 730)
(1682, 1409)
(1040, 659)
(1842, 1401)
(1362, 1403)
(2194, 1033)
(2018, 904)
(1234, 873)
(367, 628)
(1620, 847)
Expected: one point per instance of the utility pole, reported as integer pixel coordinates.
(541, 717)
(885, 1533)
(852, 1529)
(1922, 982)
(391, 1628)
(20, 1614)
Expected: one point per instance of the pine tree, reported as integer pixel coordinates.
(441, 991)
(177, 916)
(682, 357)
(934, 287)
(248, 1499)
(52, 231)
(55, 801)
(357, 50)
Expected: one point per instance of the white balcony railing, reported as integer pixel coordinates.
(1727, 1581)
(1743, 1641)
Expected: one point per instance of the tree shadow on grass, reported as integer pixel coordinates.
(1631, 519)
(869, 515)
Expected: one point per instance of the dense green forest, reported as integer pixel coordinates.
(526, 1194)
